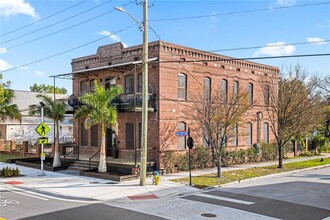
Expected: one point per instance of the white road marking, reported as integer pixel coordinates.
(226, 199)
(25, 194)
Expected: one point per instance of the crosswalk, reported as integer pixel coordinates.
(263, 206)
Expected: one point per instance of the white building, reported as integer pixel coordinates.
(25, 131)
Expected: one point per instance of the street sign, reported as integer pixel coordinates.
(42, 156)
(43, 140)
(42, 129)
(181, 133)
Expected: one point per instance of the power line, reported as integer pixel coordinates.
(49, 16)
(61, 21)
(64, 29)
(246, 58)
(66, 51)
(257, 47)
(237, 12)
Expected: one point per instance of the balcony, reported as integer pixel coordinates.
(133, 102)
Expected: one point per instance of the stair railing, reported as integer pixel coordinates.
(71, 152)
(90, 159)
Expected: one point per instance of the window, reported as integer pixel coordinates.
(84, 134)
(234, 140)
(249, 134)
(110, 82)
(94, 136)
(205, 137)
(91, 85)
(207, 89)
(129, 84)
(129, 136)
(83, 86)
(224, 90)
(235, 90)
(250, 93)
(182, 86)
(266, 95)
(139, 83)
(181, 139)
(266, 132)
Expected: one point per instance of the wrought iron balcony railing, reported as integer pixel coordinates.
(134, 100)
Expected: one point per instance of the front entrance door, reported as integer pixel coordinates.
(109, 144)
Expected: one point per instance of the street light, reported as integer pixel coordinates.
(144, 141)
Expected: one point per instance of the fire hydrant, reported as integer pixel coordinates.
(156, 178)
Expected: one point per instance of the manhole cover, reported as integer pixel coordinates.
(209, 215)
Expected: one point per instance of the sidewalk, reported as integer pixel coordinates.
(82, 188)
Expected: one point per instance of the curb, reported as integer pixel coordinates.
(268, 176)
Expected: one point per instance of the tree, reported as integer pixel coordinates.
(295, 107)
(42, 88)
(97, 109)
(7, 110)
(55, 110)
(219, 116)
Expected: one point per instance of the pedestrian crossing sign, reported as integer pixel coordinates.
(43, 140)
(42, 129)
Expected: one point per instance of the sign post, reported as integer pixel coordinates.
(190, 144)
(42, 129)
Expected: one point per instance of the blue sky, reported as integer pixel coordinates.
(206, 25)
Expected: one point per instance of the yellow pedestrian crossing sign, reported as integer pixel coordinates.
(42, 129)
(43, 140)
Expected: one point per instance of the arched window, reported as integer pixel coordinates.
(94, 136)
(207, 88)
(83, 86)
(266, 95)
(181, 139)
(266, 132)
(182, 86)
(92, 85)
(234, 139)
(249, 134)
(235, 89)
(250, 93)
(129, 84)
(224, 90)
(130, 136)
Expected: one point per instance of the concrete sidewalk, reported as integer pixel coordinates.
(72, 187)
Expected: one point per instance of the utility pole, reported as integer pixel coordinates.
(144, 144)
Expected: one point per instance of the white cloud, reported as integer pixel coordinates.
(3, 50)
(285, 2)
(40, 73)
(4, 65)
(316, 40)
(112, 36)
(14, 7)
(276, 49)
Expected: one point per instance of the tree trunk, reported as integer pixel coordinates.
(280, 163)
(103, 163)
(57, 159)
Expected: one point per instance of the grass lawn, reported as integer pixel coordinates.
(237, 175)
(5, 157)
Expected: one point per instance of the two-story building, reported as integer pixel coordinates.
(175, 74)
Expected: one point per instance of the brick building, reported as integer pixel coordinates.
(175, 73)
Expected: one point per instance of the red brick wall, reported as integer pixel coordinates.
(163, 81)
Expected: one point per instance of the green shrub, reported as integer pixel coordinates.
(307, 154)
(268, 151)
(182, 162)
(251, 155)
(9, 172)
(201, 157)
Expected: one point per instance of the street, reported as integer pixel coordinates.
(303, 195)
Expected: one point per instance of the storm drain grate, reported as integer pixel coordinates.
(209, 215)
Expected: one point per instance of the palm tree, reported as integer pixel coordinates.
(54, 110)
(98, 109)
(8, 110)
